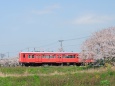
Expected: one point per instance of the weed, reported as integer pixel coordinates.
(105, 83)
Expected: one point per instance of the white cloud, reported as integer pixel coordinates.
(93, 19)
(46, 10)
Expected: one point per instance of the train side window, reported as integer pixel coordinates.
(24, 56)
(29, 56)
(43, 56)
(73, 56)
(32, 56)
(47, 56)
(51, 56)
(65, 56)
(69, 56)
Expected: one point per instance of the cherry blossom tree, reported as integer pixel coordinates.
(101, 45)
(9, 62)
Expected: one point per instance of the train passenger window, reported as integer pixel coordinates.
(23, 55)
(47, 56)
(29, 56)
(64, 56)
(73, 56)
(52, 56)
(69, 56)
(32, 56)
(43, 56)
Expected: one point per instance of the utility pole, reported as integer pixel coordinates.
(61, 45)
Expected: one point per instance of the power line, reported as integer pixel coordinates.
(76, 38)
(34, 48)
(61, 41)
(50, 44)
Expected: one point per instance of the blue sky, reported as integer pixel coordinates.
(41, 23)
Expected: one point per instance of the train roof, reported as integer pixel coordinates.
(51, 52)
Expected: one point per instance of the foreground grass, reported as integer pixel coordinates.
(39, 70)
(65, 76)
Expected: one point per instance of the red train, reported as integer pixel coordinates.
(50, 58)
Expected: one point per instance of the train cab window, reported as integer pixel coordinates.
(24, 56)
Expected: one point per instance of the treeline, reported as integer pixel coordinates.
(9, 62)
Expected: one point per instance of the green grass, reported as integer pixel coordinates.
(20, 81)
(38, 70)
(81, 77)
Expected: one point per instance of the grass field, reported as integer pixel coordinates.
(56, 76)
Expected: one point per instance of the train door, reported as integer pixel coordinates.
(59, 58)
(23, 57)
(38, 58)
(52, 58)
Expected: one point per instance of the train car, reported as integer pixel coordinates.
(49, 58)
